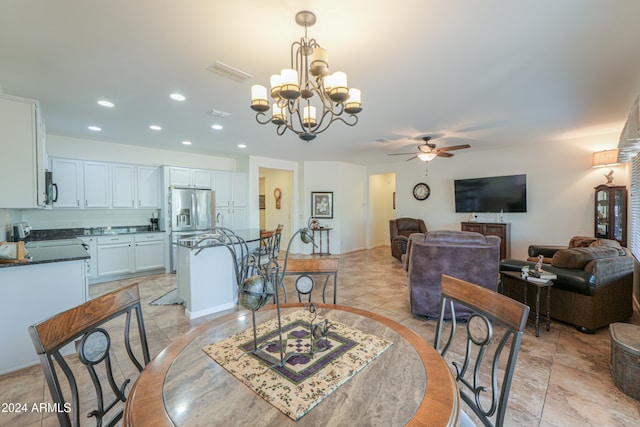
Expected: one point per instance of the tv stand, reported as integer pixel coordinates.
(500, 229)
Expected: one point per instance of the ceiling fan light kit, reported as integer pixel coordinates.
(307, 88)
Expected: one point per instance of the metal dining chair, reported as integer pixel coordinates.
(481, 368)
(86, 327)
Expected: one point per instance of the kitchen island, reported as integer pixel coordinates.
(205, 274)
(54, 280)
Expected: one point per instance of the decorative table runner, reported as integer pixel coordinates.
(304, 380)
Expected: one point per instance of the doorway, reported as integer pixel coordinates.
(275, 190)
(382, 207)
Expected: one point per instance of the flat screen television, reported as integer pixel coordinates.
(492, 194)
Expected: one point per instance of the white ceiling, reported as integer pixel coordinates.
(486, 73)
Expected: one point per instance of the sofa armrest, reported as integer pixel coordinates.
(544, 250)
(569, 279)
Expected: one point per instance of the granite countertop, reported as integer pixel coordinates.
(72, 233)
(51, 254)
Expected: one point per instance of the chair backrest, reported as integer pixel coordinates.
(276, 241)
(462, 254)
(86, 326)
(497, 322)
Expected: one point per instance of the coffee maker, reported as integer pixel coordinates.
(154, 222)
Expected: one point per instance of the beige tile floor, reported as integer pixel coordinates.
(562, 378)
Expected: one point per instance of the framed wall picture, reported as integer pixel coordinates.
(322, 204)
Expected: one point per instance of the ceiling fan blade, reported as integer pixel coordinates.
(443, 154)
(454, 147)
(400, 154)
(411, 158)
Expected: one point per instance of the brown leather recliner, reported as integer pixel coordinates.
(399, 230)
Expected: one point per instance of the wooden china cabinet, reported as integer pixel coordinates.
(611, 213)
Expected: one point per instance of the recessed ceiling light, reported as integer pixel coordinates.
(242, 146)
(155, 127)
(186, 142)
(105, 103)
(216, 127)
(95, 128)
(177, 97)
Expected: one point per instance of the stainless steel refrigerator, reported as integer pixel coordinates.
(192, 212)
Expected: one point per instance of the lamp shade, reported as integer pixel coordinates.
(427, 157)
(605, 158)
(259, 98)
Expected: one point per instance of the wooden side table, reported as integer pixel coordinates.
(516, 277)
(319, 250)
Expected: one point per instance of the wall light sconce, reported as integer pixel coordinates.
(606, 159)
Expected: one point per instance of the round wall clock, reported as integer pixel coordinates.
(421, 191)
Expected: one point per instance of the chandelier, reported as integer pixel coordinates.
(305, 89)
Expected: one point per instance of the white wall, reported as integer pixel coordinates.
(74, 148)
(7, 217)
(348, 183)
(560, 188)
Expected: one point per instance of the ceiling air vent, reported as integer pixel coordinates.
(229, 72)
(218, 113)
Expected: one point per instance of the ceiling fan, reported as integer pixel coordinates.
(428, 151)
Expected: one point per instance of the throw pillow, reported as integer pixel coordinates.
(579, 257)
(581, 241)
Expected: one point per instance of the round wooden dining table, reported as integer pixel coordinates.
(408, 384)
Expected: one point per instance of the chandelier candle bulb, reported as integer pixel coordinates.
(276, 84)
(289, 88)
(259, 98)
(319, 62)
(339, 91)
(354, 103)
(279, 115)
(309, 116)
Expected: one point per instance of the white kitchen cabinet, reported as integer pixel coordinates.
(148, 187)
(149, 251)
(115, 255)
(233, 217)
(136, 186)
(96, 185)
(231, 199)
(68, 182)
(190, 178)
(124, 186)
(231, 188)
(92, 263)
(22, 141)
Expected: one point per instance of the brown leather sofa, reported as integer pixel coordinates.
(594, 286)
(399, 230)
(462, 254)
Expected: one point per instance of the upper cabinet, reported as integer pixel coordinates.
(190, 178)
(136, 186)
(67, 182)
(89, 184)
(96, 185)
(231, 188)
(148, 186)
(22, 175)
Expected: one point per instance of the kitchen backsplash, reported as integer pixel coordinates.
(85, 218)
(7, 217)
